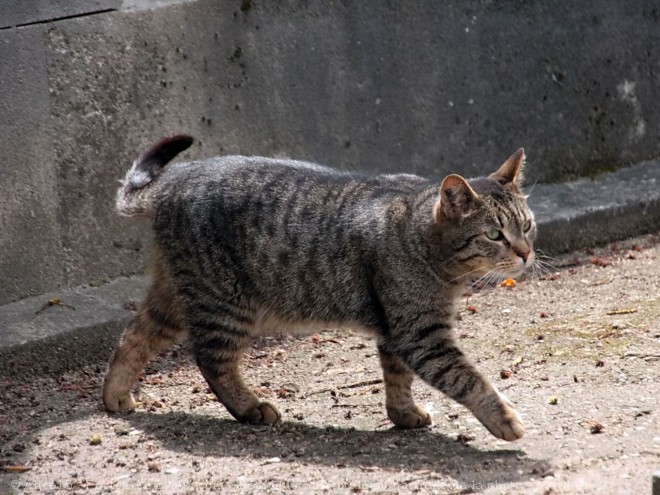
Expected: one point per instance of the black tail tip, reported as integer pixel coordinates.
(173, 145)
(182, 140)
(164, 150)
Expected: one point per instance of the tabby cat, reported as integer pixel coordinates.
(248, 246)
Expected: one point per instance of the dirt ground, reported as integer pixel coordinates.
(577, 350)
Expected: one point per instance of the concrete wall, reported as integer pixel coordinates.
(419, 86)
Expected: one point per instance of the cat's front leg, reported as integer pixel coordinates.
(398, 378)
(439, 362)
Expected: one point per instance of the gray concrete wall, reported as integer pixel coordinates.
(419, 86)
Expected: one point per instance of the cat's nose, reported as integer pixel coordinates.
(524, 254)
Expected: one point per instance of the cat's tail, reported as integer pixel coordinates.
(133, 197)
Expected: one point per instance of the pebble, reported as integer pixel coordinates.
(655, 484)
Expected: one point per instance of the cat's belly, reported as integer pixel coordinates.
(269, 322)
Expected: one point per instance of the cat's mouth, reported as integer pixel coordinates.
(515, 268)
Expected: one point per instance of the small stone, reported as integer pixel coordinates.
(655, 490)
(464, 438)
(291, 387)
(153, 467)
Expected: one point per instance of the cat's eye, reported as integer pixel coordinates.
(494, 234)
(527, 226)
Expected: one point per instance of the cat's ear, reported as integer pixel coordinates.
(511, 171)
(456, 199)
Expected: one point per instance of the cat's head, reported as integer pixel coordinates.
(487, 222)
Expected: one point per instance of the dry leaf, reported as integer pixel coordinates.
(596, 427)
(16, 469)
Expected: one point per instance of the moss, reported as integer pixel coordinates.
(578, 339)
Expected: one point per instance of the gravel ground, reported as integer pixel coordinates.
(577, 350)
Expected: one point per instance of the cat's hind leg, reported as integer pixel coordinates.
(398, 378)
(220, 336)
(157, 324)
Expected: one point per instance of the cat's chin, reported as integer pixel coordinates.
(515, 273)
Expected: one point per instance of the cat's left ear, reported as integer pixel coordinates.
(511, 171)
(456, 199)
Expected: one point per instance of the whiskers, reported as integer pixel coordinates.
(543, 265)
(531, 190)
(490, 279)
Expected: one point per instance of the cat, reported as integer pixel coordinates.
(247, 246)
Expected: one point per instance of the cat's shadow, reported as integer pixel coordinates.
(411, 450)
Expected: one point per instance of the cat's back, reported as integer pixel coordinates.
(239, 172)
(232, 178)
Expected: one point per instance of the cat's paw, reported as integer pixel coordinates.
(410, 417)
(262, 413)
(115, 402)
(505, 424)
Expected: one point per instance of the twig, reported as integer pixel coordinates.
(363, 383)
(56, 301)
(351, 405)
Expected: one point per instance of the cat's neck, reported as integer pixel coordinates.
(431, 245)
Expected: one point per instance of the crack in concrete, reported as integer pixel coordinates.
(56, 19)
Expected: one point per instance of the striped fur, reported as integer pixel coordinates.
(249, 246)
